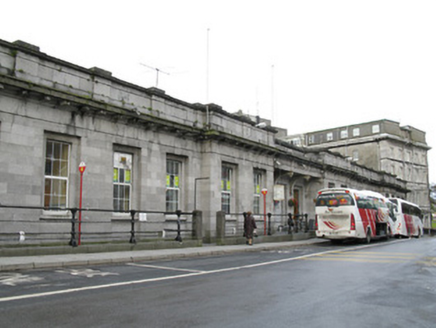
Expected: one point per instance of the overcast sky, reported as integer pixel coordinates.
(307, 65)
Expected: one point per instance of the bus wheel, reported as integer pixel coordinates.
(368, 236)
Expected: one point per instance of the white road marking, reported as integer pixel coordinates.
(191, 274)
(13, 279)
(163, 268)
(89, 273)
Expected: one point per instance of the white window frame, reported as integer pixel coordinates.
(122, 163)
(355, 155)
(356, 132)
(257, 186)
(226, 188)
(173, 182)
(344, 134)
(376, 128)
(57, 178)
(311, 139)
(329, 136)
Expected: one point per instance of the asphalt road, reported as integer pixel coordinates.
(384, 284)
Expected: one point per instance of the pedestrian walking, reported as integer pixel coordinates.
(249, 226)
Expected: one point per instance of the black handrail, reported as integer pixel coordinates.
(74, 234)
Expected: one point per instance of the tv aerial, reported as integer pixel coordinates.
(157, 72)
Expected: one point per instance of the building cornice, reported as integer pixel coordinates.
(367, 140)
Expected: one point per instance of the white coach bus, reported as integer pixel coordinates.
(343, 213)
(408, 221)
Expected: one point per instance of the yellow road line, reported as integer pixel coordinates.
(388, 253)
(323, 258)
(375, 256)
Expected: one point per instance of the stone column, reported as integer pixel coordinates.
(197, 225)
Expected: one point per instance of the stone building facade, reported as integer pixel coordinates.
(382, 145)
(145, 150)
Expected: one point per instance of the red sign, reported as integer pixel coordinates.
(264, 191)
(82, 167)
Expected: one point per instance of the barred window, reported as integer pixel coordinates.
(173, 185)
(56, 177)
(122, 181)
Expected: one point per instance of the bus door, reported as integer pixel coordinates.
(367, 212)
(408, 219)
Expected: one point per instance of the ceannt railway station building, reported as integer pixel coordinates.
(147, 151)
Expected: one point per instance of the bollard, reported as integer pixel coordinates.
(132, 230)
(73, 241)
(243, 224)
(178, 237)
(220, 226)
(197, 225)
(306, 228)
(296, 223)
(290, 223)
(269, 224)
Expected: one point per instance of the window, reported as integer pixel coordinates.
(334, 200)
(311, 139)
(356, 132)
(122, 181)
(376, 128)
(257, 182)
(296, 142)
(226, 187)
(344, 134)
(173, 185)
(57, 157)
(330, 136)
(355, 155)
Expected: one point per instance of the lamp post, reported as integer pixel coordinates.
(264, 192)
(82, 168)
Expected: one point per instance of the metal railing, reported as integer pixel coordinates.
(59, 229)
(268, 224)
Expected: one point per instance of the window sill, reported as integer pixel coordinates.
(173, 218)
(56, 217)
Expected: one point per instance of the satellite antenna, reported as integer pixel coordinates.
(157, 72)
(272, 94)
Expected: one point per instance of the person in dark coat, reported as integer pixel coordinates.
(249, 226)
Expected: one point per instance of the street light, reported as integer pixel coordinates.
(264, 192)
(82, 168)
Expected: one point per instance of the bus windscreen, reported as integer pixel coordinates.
(334, 199)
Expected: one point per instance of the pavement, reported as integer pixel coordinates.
(15, 263)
